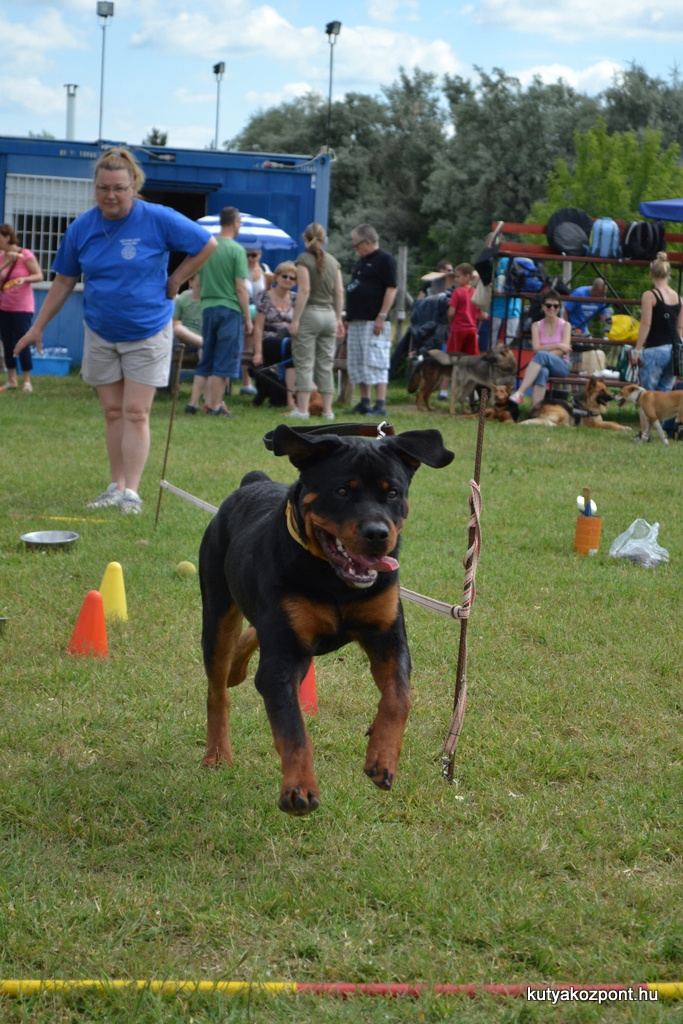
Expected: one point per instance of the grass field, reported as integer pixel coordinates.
(555, 857)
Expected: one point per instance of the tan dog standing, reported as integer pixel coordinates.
(657, 406)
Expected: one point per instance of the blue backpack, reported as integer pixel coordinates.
(604, 239)
(525, 275)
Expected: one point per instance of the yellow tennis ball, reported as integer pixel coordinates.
(185, 569)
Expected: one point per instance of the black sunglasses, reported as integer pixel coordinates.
(551, 305)
(252, 254)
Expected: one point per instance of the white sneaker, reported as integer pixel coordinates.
(131, 502)
(28, 388)
(517, 398)
(296, 414)
(107, 499)
(327, 415)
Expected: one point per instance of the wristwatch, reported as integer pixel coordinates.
(382, 316)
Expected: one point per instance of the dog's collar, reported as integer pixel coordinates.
(293, 526)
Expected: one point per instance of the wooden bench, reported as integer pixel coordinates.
(540, 250)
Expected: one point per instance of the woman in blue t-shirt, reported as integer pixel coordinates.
(121, 247)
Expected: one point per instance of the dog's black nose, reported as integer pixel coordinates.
(375, 533)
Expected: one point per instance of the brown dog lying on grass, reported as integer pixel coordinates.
(586, 409)
(657, 406)
(502, 410)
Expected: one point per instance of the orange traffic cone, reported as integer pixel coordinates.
(308, 698)
(90, 632)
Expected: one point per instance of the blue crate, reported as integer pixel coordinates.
(51, 366)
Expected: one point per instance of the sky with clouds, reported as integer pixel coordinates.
(159, 55)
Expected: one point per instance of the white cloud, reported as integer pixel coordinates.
(205, 33)
(288, 92)
(28, 45)
(29, 94)
(387, 11)
(573, 20)
(590, 80)
(372, 55)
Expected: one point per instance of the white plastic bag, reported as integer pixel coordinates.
(639, 544)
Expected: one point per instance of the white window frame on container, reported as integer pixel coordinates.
(40, 209)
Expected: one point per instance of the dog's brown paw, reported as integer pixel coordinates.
(298, 801)
(382, 777)
(215, 757)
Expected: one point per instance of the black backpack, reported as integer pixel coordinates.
(643, 240)
(568, 231)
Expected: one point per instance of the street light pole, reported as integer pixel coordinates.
(105, 9)
(219, 71)
(332, 29)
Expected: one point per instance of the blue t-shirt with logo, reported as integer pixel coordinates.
(580, 313)
(125, 266)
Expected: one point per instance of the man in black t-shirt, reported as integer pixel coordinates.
(369, 298)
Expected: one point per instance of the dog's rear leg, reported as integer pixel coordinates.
(220, 641)
(390, 668)
(278, 679)
(660, 430)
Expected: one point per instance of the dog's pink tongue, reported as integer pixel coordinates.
(384, 564)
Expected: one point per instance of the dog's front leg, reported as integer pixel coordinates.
(390, 666)
(278, 679)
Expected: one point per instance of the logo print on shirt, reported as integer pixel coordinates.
(128, 251)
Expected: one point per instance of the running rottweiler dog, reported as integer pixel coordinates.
(312, 567)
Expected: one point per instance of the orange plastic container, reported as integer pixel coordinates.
(587, 536)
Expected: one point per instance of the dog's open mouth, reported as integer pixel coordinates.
(356, 570)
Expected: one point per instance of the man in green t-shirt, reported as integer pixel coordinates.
(225, 316)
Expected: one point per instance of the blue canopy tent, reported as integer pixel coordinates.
(663, 209)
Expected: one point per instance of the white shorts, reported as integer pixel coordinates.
(147, 361)
(368, 354)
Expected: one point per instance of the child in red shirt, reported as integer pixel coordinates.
(463, 314)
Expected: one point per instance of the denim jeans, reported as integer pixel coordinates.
(655, 369)
(551, 365)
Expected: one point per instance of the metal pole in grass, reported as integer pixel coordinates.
(459, 696)
(174, 386)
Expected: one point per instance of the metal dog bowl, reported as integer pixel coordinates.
(49, 538)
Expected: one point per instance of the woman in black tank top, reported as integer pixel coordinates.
(661, 320)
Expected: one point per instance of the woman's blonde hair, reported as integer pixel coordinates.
(121, 159)
(314, 236)
(287, 266)
(660, 267)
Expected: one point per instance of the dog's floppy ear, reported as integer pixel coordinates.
(300, 448)
(421, 446)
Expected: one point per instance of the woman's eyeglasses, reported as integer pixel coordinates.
(551, 305)
(288, 277)
(117, 190)
(252, 255)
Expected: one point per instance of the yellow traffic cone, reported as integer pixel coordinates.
(114, 593)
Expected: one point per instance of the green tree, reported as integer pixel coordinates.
(611, 174)
(505, 140)
(635, 102)
(155, 137)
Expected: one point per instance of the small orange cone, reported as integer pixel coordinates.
(114, 593)
(90, 632)
(308, 698)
